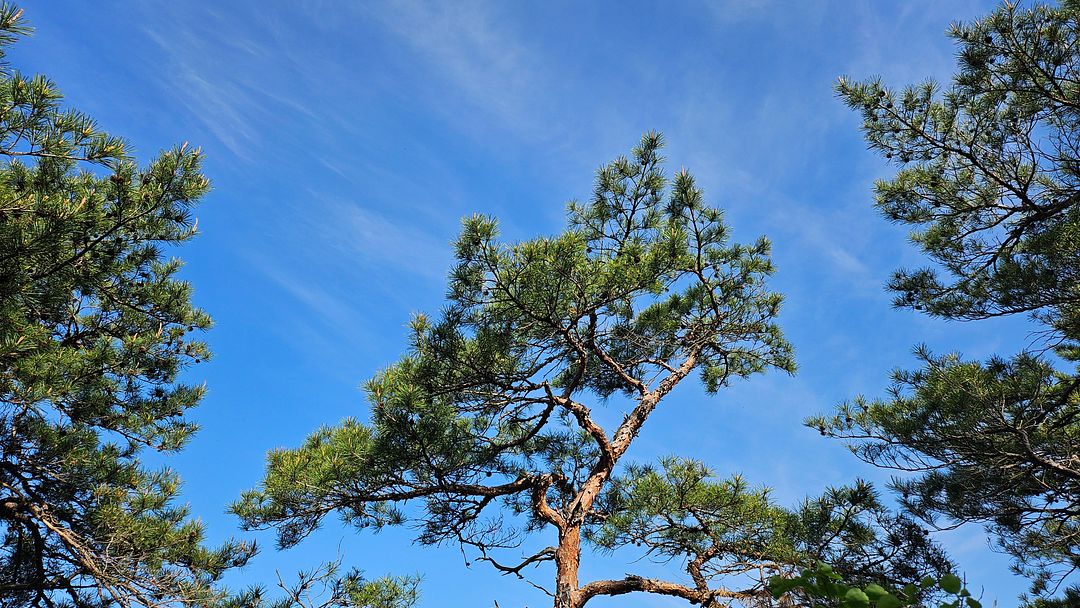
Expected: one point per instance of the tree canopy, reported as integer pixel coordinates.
(989, 181)
(95, 328)
(493, 433)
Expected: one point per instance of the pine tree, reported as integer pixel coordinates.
(497, 431)
(989, 180)
(95, 327)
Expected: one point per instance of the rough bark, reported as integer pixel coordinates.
(567, 562)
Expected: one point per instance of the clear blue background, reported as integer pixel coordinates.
(346, 140)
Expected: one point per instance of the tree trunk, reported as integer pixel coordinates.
(567, 560)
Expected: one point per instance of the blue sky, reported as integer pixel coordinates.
(346, 140)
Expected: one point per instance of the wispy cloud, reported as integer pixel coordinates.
(840, 244)
(346, 265)
(331, 309)
(227, 76)
(352, 234)
(344, 257)
(467, 45)
(222, 105)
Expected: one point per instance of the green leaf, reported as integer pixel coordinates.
(875, 592)
(973, 603)
(889, 601)
(855, 598)
(779, 585)
(951, 583)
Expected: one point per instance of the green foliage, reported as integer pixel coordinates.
(1069, 599)
(823, 586)
(989, 171)
(989, 181)
(489, 430)
(679, 509)
(94, 330)
(328, 587)
(728, 527)
(485, 393)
